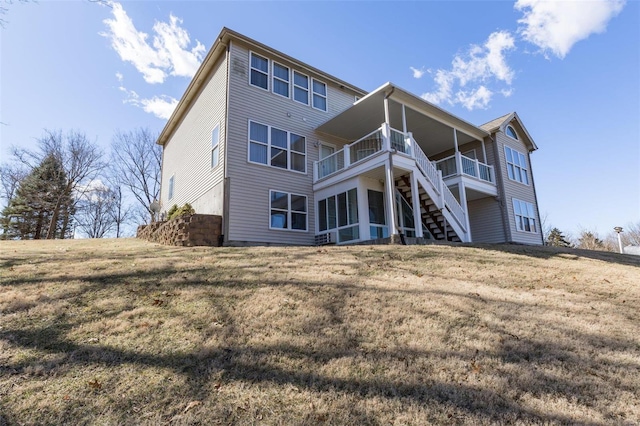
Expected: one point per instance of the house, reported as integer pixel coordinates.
(288, 154)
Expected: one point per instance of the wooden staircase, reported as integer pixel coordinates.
(430, 214)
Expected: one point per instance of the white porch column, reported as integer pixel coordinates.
(457, 154)
(386, 136)
(404, 120)
(463, 203)
(484, 152)
(410, 143)
(390, 198)
(386, 110)
(415, 199)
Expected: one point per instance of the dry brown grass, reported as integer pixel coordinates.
(127, 332)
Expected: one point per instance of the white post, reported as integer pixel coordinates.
(484, 152)
(465, 209)
(409, 141)
(618, 230)
(457, 154)
(441, 189)
(386, 136)
(477, 169)
(415, 200)
(315, 171)
(386, 110)
(346, 156)
(390, 199)
(404, 120)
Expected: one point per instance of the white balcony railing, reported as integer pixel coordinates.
(469, 166)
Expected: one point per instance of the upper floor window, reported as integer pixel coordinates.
(215, 146)
(511, 132)
(287, 211)
(280, 80)
(525, 216)
(171, 183)
(277, 148)
(259, 71)
(516, 165)
(319, 95)
(300, 88)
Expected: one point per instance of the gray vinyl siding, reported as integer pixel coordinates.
(485, 219)
(187, 154)
(249, 183)
(517, 190)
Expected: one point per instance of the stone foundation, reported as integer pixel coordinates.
(191, 230)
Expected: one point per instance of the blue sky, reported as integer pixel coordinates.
(570, 69)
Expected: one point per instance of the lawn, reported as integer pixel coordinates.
(129, 332)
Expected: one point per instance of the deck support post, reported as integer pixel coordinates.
(463, 203)
(390, 197)
(415, 200)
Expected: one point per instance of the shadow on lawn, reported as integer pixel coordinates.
(527, 366)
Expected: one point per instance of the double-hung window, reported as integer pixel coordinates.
(525, 216)
(300, 88)
(215, 146)
(319, 95)
(516, 165)
(280, 80)
(277, 148)
(287, 211)
(259, 71)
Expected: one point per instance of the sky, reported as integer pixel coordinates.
(570, 69)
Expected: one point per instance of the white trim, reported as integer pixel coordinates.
(289, 212)
(293, 91)
(509, 126)
(325, 96)
(172, 188)
(274, 77)
(251, 53)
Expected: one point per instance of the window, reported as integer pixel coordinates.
(340, 212)
(259, 71)
(277, 148)
(516, 165)
(511, 132)
(300, 88)
(287, 211)
(525, 216)
(215, 146)
(280, 80)
(377, 219)
(319, 95)
(171, 182)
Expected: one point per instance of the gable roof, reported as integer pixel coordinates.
(218, 49)
(501, 123)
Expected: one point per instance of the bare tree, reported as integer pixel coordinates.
(81, 161)
(10, 177)
(4, 10)
(121, 213)
(95, 211)
(136, 159)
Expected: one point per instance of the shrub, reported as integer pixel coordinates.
(182, 211)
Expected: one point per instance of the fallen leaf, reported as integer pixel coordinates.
(157, 302)
(95, 384)
(191, 405)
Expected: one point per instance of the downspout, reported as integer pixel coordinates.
(224, 238)
(500, 182)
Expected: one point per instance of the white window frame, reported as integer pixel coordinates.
(215, 147)
(308, 89)
(506, 132)
(289, 212)
(351, 222)
(325, 96)
(521, 168)
(274, 78)
(288, 149)
(530, 216)
(171, 190)
(251, 68)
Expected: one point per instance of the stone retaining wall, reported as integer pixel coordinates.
(191, 230)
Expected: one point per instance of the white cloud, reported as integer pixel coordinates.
(161, 106)
(472, 71)
(557, 25)
(119, 76)
(169, 54)
(417, 73)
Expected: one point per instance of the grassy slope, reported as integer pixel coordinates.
(123, 331)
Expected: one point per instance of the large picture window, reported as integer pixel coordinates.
(340, 212)
(287, 211)
(516, 165)
(525, 216)
(277, 148)
(259, 71)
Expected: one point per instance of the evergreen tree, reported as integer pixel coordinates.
(28, 214)
(556, 239)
